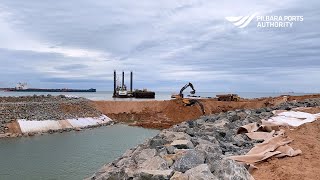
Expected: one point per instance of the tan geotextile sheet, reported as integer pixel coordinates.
(274, 143)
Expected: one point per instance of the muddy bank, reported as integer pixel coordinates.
(197, 149)
(164, 114)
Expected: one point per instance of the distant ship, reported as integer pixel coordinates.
(24, 88)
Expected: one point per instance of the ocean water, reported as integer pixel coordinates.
(69, 155)
(107, 95)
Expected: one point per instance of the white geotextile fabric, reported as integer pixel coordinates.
(83, 122)
(43, 126)
(293, 118)
(38, 126)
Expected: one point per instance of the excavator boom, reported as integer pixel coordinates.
(185, 87)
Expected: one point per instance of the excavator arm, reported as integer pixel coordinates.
(185, 87)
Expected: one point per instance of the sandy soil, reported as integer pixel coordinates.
(163, 114)
(304, 166)
(13, 128)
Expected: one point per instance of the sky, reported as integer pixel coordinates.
(78, 44)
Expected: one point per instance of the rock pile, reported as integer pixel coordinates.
(195, 149)
(35, 98)
(44, 108)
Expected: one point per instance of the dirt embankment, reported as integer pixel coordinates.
(163, 114)
(304, 166)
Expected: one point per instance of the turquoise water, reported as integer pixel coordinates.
(107, 95)
(72, 155)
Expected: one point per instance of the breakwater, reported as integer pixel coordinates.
(196, 149)
(27, 115)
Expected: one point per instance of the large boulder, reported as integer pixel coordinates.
(182, 144)
(144, 154)
(179, 176)
(125, 162)
(171, 136)
(155, 163)
(208, 147)
(109, 173)
(228, 169)
(157, 142)
(154, 174)
(201, 172)
(188, 160)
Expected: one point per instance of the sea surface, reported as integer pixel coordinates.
(107, 95)
(69, 155)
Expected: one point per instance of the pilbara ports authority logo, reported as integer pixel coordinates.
(265, 21)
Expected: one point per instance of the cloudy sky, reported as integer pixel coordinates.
(78, 44)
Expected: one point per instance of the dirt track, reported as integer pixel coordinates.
(163, 114)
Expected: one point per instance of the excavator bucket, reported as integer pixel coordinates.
(175, 96)
(190, 102)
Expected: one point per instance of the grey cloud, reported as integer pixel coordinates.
(72, 67)
(166, 43)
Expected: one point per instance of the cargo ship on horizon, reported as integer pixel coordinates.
(22, 87)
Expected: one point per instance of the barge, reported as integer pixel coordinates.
(51, 90)
(22, 87)
(121, 91)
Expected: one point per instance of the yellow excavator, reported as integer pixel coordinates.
(188, 101)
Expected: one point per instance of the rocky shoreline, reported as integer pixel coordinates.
(196, 149)
(51, 109)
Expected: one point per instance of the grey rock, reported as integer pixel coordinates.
(162, 151)
(234, 118)
(179, 176)
(227, 147)
(154, 163)
(189, 160)
(108, 172)
(182, 144)
(242, 115)
(154, 174)
(144, 154)
(231, 113)
(208, 147)
(229, 169)
(170, 149)
(200, 172)
(157, 141)
(260, 110)
(199, 122)
(171, 136)
(44, 108)
(190, 132)
(125, 162)
(238, 140)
